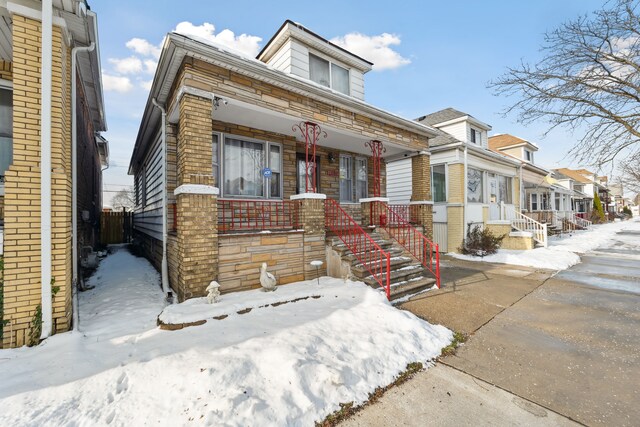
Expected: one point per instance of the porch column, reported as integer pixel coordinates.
(196, 200)
(312, 220)
(373, 211)
(421, 205)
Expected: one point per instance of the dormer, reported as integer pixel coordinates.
(296, 50)
(513, 146)
(462, 126)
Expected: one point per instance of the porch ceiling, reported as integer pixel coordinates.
(245, 114)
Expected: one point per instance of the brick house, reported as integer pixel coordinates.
(275, 159)
(38, 135)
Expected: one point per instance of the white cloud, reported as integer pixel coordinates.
(130, 65)
(150, 66)
(116, 83)
(143, 47)
(247, 44)
(374, 48)
(146, 84)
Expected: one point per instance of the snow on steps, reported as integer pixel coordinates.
(408, 276)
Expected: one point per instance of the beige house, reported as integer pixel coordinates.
(48, 112)
(471, 185)
(274, 159)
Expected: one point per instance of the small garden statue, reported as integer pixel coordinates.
(267, 280)
(213, 290)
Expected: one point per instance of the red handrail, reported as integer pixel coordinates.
(257, 215)
(372, 257)
(408, 236)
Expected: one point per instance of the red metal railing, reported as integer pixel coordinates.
(583, 215)
(408, 213)
(408, 236)
(257, 215)
(372, 257)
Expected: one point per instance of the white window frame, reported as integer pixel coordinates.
(331, 63)
(355, 177)
(446, 183)
(6, 85)
(352, 168)
(484, 183)
(265, 182)
(217, 178)
(476, 136)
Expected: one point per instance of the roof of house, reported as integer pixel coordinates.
(505, 140)
(442, 116)
(442, 138)
(576, 175)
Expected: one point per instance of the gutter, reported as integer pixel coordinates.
(74, 180)
(165, 268)
(45, 169)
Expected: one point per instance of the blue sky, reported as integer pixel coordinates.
(436, 54)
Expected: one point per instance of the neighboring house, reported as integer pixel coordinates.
(587, 184)
(237, 160)
(618, 201)
(37, 128)
(471, 185)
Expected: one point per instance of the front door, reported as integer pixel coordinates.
(494, 206)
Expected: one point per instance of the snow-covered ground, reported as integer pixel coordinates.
(288, 364)
(563, 252)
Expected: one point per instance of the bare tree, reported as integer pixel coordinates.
(123, 199)
(629, 173)
(588, 81)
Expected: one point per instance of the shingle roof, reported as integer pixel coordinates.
(442, 138)
(505, 140)
(574, 174)
(441, 116)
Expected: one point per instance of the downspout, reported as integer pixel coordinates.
(45, 169)
(74, 180)
(165, 267)
(464, 200)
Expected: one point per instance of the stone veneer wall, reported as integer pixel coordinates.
(241, 255)
(22, 288)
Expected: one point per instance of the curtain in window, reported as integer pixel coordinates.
(504, 188)
(439, 183)
(301, 175)
(276, 173)
(474, 186)
(243, 164)
(361, 178)
(319, 70)
(340, 79)
(346, 179)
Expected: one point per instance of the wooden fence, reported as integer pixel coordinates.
(116, 227)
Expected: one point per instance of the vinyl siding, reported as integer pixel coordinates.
(147, 216)
(399, 181)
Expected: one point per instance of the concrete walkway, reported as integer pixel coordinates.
(557, 349)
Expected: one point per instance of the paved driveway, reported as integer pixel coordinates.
(572, 345)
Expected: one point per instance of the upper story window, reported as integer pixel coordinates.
(6, 130)
(476, 136)
(528, 156)
(328, 74)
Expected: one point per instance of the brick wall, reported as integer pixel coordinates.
(241, 256)
(22, 187)
(455, 228)
(456, 183)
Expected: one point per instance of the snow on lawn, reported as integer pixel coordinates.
(291, 364)
(563, 252)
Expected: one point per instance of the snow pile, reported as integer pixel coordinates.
(563, 252)
(289, 364)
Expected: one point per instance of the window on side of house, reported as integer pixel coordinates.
(244, 162)
(528, 156)
(6, 130)
(346, 178)
(475, 187)
(361, 178)
(505, 190)
(534, 202)
(215, 149)
(300, 182)
(328, 74)
(476, 136)
(439, 183)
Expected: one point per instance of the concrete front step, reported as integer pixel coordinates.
(393, 252)
(360, 270)
(408, 287)
(404, 273)
(344, 249)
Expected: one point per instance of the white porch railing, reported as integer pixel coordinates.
(581, 222)
(523, 223)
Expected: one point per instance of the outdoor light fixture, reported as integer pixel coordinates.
(332, 157)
